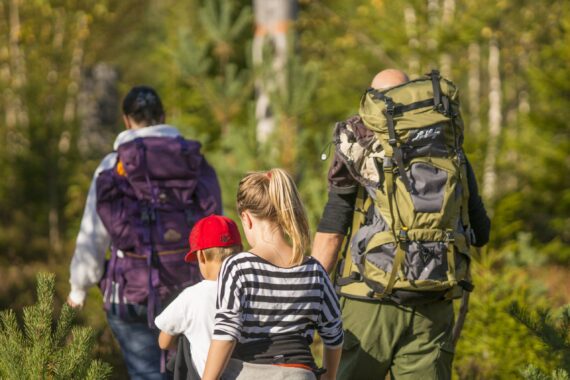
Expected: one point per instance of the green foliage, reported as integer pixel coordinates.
(554, 332)
(490, 335)
(533, 373)
(197, 53)
(41, 350)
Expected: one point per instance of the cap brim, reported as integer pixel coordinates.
(190, 257)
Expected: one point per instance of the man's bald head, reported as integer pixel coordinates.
(388, 78)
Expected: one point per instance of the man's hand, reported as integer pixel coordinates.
(73, 304)
(325, 249)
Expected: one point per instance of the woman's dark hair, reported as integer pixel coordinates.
(143, 105)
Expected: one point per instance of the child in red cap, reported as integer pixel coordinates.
(192, 313)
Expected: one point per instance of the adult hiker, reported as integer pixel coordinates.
(144, 199)
(401, 188)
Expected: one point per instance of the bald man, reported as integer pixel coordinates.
(380, 336)
(388, 78)
(343, 188)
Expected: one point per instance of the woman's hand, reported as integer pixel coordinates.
(218, 357)
(331, 358)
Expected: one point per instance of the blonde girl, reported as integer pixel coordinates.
(273, 297)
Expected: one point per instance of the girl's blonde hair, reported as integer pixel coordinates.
(272, 195)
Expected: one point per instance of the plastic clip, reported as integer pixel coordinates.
(390, 107)
(403, 235)
(449, 236)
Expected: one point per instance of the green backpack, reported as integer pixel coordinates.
(410, 236)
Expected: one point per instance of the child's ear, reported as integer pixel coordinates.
(246, 220)
(201, 257)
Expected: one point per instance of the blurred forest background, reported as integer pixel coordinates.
(66, 64)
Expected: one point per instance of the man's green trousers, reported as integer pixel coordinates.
(409, 342)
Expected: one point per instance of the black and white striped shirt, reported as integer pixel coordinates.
(258, 300)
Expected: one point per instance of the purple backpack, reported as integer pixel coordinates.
(148, 202)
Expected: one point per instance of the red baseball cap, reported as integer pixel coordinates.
(212, 231)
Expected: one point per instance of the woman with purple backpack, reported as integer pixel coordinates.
(143, 201)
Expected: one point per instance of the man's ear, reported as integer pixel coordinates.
(127, 121)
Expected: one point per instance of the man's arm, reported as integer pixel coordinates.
(334, 224)
(326, 247)
(480, 222)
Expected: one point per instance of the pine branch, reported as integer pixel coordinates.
(64, 324)
(74, 360)
(533, 373)
(192, 59)
(38, 327)
(98, 370)
(541, 325)
(11, 347)
(560, 374)
(36, 351)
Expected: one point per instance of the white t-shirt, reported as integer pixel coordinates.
(192, 313)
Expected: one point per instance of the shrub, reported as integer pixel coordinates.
(43, 348)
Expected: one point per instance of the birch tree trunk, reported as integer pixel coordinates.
(434, 20)
(63, 143)
(413, 42)
(16, 115)
(447, 17)
(495, 120)
(272, 22)
(474, 85)
(81, 33)
(4, 78)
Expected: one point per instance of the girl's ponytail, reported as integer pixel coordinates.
(290, 211)
(273, 195)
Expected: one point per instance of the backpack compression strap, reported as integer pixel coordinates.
(361, 206)
(397, 152)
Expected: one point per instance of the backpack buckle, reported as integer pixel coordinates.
(145, 216)
(189, 217)
(356, 276)
(154, 259)
(390, 107)
(403, 235)
(450, 236)
(148, 215)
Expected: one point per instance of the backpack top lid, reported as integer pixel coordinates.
(413, 101)
(161, 158)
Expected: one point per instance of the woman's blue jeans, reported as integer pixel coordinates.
(138, 342)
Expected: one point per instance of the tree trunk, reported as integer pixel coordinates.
(447, 17)
(433, 21)
(81, 33)
(4, 80)
(474, 85)
(495, 121)
(19, 116)
(413, 42)
(272, 22)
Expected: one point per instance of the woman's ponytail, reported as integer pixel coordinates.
(273, 195)
(290, 211)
